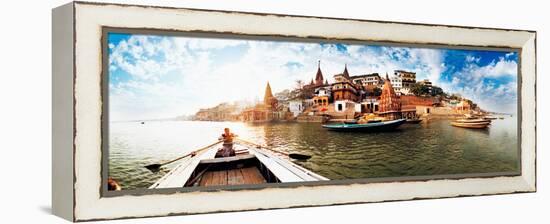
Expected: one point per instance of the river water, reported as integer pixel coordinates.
(429, 148)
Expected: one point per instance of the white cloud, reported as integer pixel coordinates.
(495, 69)
(203, 81)
(172, 76)
(470, 59)
(493, 86)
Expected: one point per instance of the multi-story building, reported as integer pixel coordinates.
(322, 96)
(397, 84)
(296, 107)
(427, 83)
(343, 88)
(368, 80)
(406, 80)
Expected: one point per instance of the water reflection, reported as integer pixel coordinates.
(429, 148)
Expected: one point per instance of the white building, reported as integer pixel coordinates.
(397, 84)
(427, 83)
(400, 86)
(358, 108)
(368, 80)
(407, 80)
(296, 107)
(323, 91)
(308, 103)
(343, 105)
(370, 105)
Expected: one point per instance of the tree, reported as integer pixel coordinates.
(471, 103)
(437, 91)
(299, 92)
(307, 93)
(284, 95)
(419, 89)
(299, 84)
(455, 96)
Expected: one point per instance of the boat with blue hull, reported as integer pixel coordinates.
(366, 127)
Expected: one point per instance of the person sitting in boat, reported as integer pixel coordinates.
(112, 185)
(227, 149)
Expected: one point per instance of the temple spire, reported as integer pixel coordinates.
(389, 101)
(319, 76)
(269, 100)
(268, 94)
(345, 73)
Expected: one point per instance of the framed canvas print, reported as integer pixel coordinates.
(157, 110)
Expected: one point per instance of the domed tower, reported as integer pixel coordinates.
(390, 104)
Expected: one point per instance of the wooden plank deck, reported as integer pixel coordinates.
(178, 176)
(249, 175)
(279, 165)
(283, 169)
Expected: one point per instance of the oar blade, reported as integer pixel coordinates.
(153, 167)
(299, 156)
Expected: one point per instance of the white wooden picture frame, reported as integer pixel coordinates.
(77, 111)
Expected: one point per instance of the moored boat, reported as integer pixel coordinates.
(473, 120)
(354, 121)
(250, 165)
(374, 121)
(366, 127)
(477, 125)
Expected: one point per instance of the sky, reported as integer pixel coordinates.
(153, 77)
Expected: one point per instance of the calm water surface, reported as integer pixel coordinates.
(429, 148)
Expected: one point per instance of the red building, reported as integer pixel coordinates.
(412, 100)
(389, 104)
(343, 88)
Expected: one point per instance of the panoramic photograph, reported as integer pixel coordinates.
(189, 111)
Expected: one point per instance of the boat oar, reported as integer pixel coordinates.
(156, 167)
(292, 155)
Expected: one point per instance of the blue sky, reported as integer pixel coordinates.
(166, 76)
